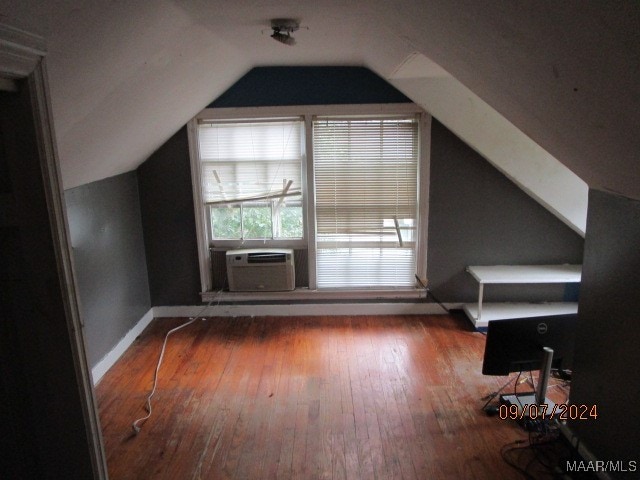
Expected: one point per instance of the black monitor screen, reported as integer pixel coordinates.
(515, 345)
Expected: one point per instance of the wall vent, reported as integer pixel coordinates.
(261, 270)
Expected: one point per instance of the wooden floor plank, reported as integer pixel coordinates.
(370, 397)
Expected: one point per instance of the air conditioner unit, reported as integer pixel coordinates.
(261, 270)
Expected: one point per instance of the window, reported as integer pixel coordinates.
(347, 184)
(251, 179)
(366, 184)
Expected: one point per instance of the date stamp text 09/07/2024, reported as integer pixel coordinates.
(561, 411)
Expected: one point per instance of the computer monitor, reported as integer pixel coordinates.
(526, 344)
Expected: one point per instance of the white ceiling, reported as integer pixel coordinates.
(125, 76)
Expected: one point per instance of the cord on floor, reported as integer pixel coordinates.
(137, 424)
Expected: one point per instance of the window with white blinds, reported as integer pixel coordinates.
(366, 194)
(251, 178)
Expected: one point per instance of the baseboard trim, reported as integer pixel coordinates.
(116, 352)
(301, 310)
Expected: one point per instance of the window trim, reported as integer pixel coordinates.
(348, 239)
(278, 242)
(307, 113)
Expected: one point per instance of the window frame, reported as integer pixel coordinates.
(277, 242)
(308, 242)
(384, 150)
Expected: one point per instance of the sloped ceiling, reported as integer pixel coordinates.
(124, 76)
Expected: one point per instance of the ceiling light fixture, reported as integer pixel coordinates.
(282, 30)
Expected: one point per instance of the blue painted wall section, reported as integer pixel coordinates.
(169, 224)
(284, 86)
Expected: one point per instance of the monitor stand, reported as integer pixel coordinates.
(524, 401)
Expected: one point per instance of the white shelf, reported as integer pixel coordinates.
(481, 313)
(526, 273)
(501, 311)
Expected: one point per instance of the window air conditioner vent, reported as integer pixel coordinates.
(260, 270)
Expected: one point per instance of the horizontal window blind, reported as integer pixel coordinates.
(250, 160)
(366, 181)
(365, 267)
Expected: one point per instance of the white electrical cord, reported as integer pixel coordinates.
(138, 423)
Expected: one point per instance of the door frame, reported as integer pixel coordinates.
(22, 57)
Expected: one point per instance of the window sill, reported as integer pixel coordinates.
(306, 295)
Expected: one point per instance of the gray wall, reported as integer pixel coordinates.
(165, 178)
(607, 353)
(108, 249)
(477, 216)
(168, 220)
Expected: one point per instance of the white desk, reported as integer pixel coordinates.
(494, 274)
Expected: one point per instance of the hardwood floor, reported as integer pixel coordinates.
(306, 397)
